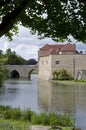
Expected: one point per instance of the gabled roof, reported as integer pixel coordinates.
(56, 48)
(68, 47)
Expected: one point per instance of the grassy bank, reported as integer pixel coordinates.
(13, 125)
(70, 81)
(16, 119)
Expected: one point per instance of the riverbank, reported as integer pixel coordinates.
(70, 81)
(38, 127)
(25, 125)
(14, 118)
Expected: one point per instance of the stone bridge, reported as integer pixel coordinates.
(20, 71)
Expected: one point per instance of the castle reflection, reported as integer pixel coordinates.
(57, 97)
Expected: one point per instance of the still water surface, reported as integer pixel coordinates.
(46, 96)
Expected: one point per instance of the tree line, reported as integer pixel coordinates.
(10, 57)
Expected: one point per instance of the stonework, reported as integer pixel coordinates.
(38, 127)
(71, 62)
(24, 71)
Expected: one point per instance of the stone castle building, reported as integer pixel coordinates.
(59, 56)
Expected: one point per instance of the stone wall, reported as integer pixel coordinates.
(44, 68)
(23, 70)
(72, 63)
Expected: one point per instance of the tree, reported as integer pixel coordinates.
(8, 52)
(1, 54)
(3, 74)
(57, 18)
(15, 60)
(32, 62)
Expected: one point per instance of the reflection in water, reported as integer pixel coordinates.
(46, 96)
(20, 93)
(55, 97)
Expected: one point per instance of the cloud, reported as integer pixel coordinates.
(27, 45)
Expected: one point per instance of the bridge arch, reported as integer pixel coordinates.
(29, 73)
(20, 71)
(14, 74)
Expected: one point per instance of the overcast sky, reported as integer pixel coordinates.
(27, 45)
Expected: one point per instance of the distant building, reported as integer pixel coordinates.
(58, 56)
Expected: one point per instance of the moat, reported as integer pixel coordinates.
(46, 96)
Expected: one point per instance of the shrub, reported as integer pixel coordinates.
(55, 75)
(53, 120)
(65, 120)
(43, 118)
(62, 75)
(35, 119)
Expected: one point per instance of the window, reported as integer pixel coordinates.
(57, 62)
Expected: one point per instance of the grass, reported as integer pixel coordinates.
(13, 125)
(16, 119)
(70, 81)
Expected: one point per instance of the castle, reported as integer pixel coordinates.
(59, 56)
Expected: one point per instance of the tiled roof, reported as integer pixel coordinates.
(55, 49)
(68, 47)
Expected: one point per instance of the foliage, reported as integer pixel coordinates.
(13, 125)
(15, 60)
(51, 119)
(55, 75)
(3, 72)
(32, 62)
(26, 114)
(61, 75)
(8, 52)
(10, 57)
(3, 61)
(57, 18)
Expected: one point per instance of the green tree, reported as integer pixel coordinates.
(32, 62)
(57, 18)
(3, 72)
(15, 60)
(8, 52)
(1, 54)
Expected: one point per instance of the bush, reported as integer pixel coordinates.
(55, 75)
(62, 75)
(53, 119)
(43, 118)
(65, 120)
(35, 119)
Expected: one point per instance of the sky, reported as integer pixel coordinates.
(27, 45)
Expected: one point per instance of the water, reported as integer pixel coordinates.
(46, 96)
